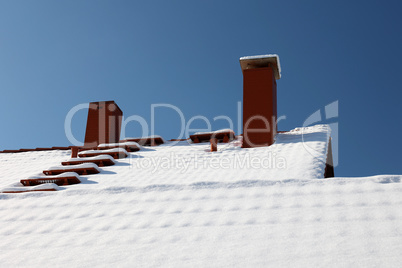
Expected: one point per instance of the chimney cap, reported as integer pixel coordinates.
(260, 61)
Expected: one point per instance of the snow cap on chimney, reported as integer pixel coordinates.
(259, 61)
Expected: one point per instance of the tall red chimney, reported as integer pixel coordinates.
(259, 99)
(103, 124)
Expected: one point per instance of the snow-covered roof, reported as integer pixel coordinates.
(258, 61)
(181, 205)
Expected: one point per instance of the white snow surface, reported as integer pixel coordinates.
(214, 132)
(145, 137)
(18, 187)
(128, 143)
(113, 150)
(64, 174)
(84, 165)
(183, 206)
(98, 157)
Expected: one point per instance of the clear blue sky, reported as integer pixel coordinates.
(57, 54)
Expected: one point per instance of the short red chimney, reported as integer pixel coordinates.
(259, 99)
(103, 124)
(214, 144)
(74, 151)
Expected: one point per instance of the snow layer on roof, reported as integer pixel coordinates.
(128, 143)
(98, 157)
(114, 150)
(64, 174)
(215, 132)
(176, 206)
(145, 137)
(15, 167)
(18, 187)
(84, 165)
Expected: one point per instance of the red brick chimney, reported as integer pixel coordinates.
(259, 99)
(103, 124)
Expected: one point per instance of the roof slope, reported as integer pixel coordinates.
(172, 206)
